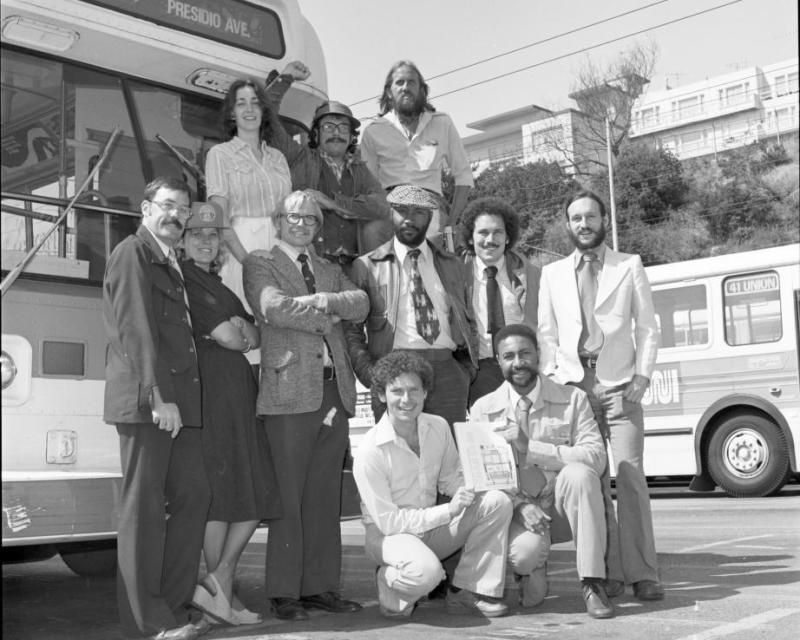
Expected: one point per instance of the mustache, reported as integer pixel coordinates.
(336, 139)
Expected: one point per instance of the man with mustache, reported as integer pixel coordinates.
(152, 395)
(502, 286)
(357, 218)
(409, 142)
(560, 458)
(598, 331)
(418, 301)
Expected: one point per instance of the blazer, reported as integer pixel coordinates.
(150, 339)
(293, 335)
(623, 297)
(524, 277)
(378, 273)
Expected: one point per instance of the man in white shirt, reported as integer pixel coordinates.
(399, 466)
(501, 284)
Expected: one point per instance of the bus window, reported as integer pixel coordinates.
(682, 315)
(752, 308)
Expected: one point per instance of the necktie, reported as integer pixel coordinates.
(424, 313)
(591, 336)
(494, 302)
(173, 262)
(311, 284)
(531, 478)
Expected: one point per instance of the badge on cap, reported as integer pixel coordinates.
(206, 214)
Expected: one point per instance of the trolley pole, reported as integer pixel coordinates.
(614, 241)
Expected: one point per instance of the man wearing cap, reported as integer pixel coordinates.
(153, 397)
(418, 301)
(306, 395)
(409, 142)
(357, 218)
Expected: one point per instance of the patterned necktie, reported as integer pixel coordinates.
(495, 319)
(311, 284)
(173, 262)
(531, 478)
(424, 313)
(591, 335)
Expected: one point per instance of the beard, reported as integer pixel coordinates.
(410, 236)
(512, 376)
(596, 241)
(410, 110)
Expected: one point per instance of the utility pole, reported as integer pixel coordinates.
(614, 242)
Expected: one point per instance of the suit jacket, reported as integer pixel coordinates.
(150, 339)
(378, 273)
(293, 335)
(524, 277)
(623, 297)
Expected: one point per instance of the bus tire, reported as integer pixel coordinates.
(748, 456)
(91, 559)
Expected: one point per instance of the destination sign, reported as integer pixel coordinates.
(234, 22)
(757, 283)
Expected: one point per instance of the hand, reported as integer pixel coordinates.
(309, 300)
(334, 318)
(532, 517)
(168, 417)
(460, 501)
(322, 200)
(636, 388)
(297, 70)
(237, 322)
(509, 430)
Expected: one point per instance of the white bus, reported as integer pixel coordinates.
(724, 400)
(73, 71)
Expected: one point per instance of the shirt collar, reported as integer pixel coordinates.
(599, 251)
(290, 250)
(243, 147)
(401, 251)
(165, 248)
(480, 265)
(424, 119)
(533, 394)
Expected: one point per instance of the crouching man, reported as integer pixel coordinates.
(560, 460)
(399, 466)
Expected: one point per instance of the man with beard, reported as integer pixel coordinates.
(152, 395)
(410, 143)
(560, 457)
(357, 218)
(502, 286)
(588, 303)
(418, 301)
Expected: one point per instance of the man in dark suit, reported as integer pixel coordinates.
(307, 393)
(152, 395)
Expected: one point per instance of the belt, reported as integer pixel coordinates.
(590, 362)
(328, 373)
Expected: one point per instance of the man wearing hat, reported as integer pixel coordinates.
(307, 393)
(357, 217)
(418, 301)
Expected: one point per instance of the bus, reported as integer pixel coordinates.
(73, 72)
(723, 404)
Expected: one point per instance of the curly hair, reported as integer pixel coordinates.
(386, 101)
(491, 207)
(584, 193)
(226, 114)
(395, 364)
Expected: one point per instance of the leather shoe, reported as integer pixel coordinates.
(330, 601)
(186, 632)
(648, 590)
(464, 601)
(289, 609)
(597, 603)
(614, 588)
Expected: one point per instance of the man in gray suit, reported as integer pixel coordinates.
(307, 392)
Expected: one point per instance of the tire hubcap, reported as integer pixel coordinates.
(745, 453)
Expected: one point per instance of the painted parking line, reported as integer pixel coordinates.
(720, 543)
(751, 622)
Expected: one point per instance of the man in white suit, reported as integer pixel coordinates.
(598, 331)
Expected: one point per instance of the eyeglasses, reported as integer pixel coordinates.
(171, 207)
(297, 218)
(330, 127)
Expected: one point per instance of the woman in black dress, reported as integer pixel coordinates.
(237, 457)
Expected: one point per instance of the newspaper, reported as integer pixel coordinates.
(486, 458)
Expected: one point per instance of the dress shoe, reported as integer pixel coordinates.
(614, 588)
(597, 603)
(189, 631)
(463, 601)
(330, 601)
(210, 599)
(289, 609)
(648, 590)
(532, 588)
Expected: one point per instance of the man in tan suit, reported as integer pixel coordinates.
(307, 392)
(598, 331)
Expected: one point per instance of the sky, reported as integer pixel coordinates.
(363, 38)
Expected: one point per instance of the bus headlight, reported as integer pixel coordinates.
(9, 369)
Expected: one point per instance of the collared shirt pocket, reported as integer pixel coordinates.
(425, 155)
(555, 430)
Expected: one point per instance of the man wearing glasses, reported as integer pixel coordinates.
(152, 395)
(357, 218)
(307, 394)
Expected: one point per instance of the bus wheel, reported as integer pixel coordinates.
(748, 457)
(91, 559)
